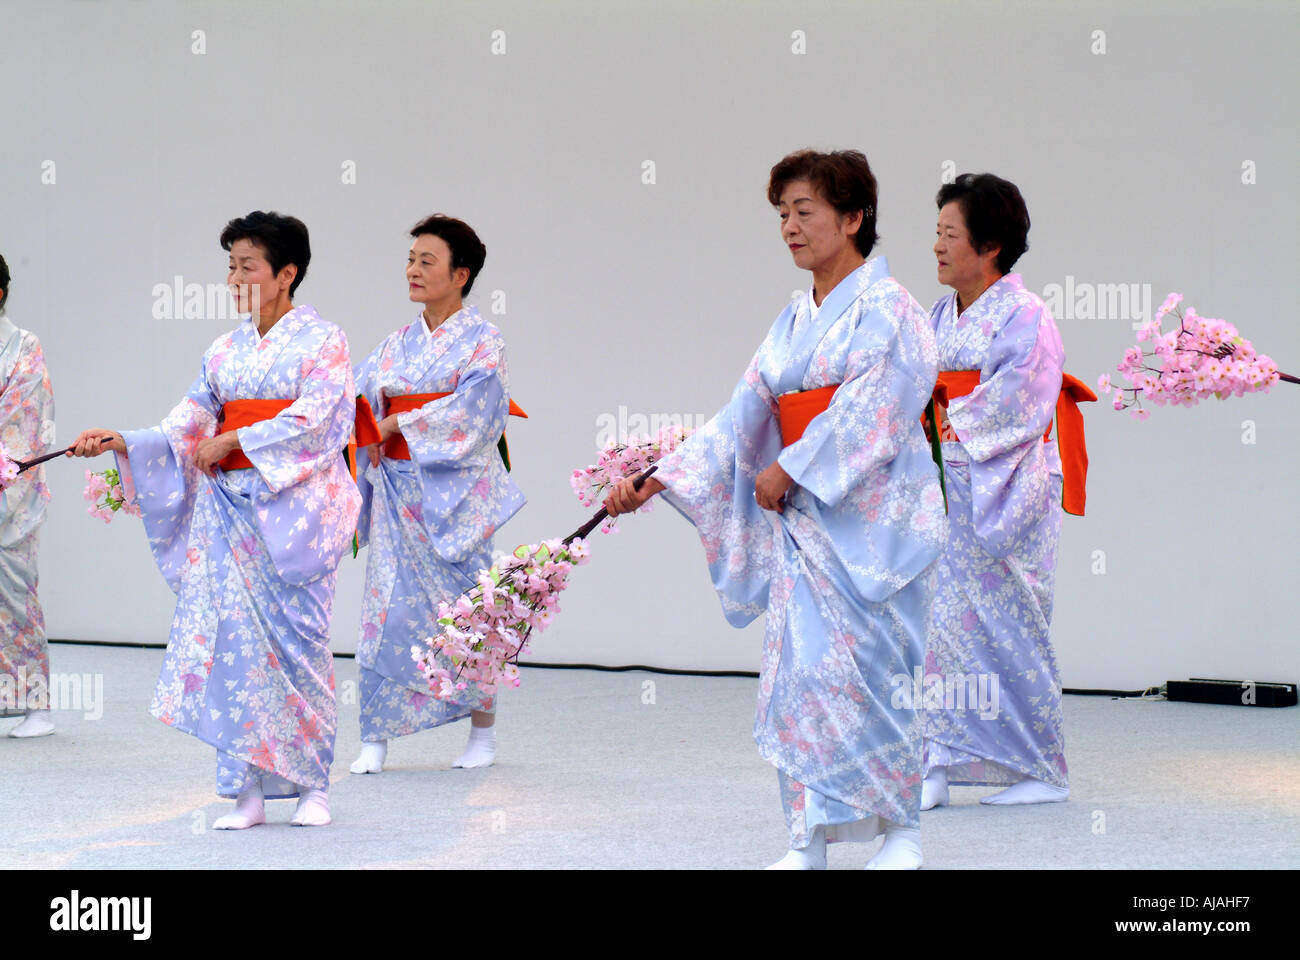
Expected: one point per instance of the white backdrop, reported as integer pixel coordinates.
(132, 131)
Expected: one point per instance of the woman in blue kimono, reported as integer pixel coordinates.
(249, 506)
(832, 530)
(436, 493)
(993, 607)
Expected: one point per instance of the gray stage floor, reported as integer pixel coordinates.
(589, 775)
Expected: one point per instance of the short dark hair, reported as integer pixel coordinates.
(995, 214)
(467, 249)
(843, 177)
(283, 238)
(4, 282)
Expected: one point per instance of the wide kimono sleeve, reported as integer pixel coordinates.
(865, 459)
(453, 441)
(27, 431)
(159, 475)
(367, 385)
(710, 479)
(1001, 423)
(309, 435)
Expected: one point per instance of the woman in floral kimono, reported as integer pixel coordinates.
(26, 431)
(436, 493)
(1000, 358)
(817, 501)
(248, 505)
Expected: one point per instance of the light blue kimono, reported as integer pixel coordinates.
(429, 520)
(845, 574)
(252, 554)
(993, 607)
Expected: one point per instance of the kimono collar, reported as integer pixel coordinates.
(7, 331)
(984, 314)
(807, 331)
(10, 342)
(849, 289)
(423, 348)
(999, 288)
(269, 347)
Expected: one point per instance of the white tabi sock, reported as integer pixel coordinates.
(372, 757)
(1028, 790)
(36, 723)
(811, 857)
(934, 789)
(313, 808)
(900, 851)
(481, 750)
(250, 810)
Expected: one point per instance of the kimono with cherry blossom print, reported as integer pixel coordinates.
(252, 553)
(845, 574)
(26, 430)
(993, 602)
(429, 520)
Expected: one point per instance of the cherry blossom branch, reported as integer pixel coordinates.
(1201, 358)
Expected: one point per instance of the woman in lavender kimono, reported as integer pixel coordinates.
(833, 533)
(26, 430)
(248, 505)
(433, 499)
(993, 605)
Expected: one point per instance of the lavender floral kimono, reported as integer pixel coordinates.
(429, 520)
(845, 574)
(252, 553)
(993, 605)
(26, 430)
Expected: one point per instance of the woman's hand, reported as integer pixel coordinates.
(91, 443)
(388, 427)
(213, 450)
(624, 498)
(770, 487)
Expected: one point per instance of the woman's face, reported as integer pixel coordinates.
(814, 231)
(251, 279)
(429, 276)
(959, 265)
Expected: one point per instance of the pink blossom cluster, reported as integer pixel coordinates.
(487, 628)
(104, 491)
(1198, 359)
(8, 468)
(617, 461)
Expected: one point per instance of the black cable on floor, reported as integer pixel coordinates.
(748, 674)
(1114, 693)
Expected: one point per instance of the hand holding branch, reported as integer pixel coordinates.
(626, 498)
(91, 443)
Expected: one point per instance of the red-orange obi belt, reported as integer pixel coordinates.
(395, 447)
(796, 410)
(1069, 428)
(245, 413)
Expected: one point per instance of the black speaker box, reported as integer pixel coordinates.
(1233, 693)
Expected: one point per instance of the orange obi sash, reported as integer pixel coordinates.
(395, 447)
(796, 410)
(1069, 428)
(245, 413)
